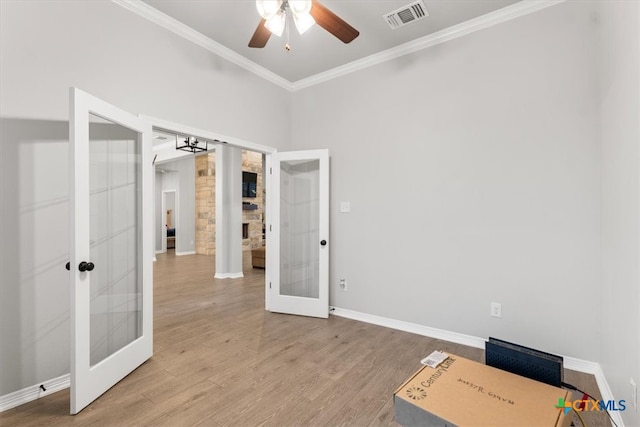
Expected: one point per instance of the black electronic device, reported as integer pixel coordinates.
(249, 184)
(524, 361)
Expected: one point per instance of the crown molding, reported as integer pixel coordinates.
(154, 15)
(516, 10)
(488, 20)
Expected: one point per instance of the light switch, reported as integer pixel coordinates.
(345, 207)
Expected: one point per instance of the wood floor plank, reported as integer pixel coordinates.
(221, 360)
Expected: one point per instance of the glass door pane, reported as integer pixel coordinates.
(114, 197)
(299, 228)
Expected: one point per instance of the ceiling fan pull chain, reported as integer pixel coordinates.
(287, 25)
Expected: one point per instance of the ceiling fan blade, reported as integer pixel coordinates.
(333, 23)
(260, 36)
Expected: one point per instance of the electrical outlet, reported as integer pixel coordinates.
(496, 309)
(343, 285)
(634, 394)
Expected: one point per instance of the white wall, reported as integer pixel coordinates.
(34, 248)
(619, 107)
(98, 46)
(472, 172)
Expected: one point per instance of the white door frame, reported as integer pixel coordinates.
(317, 307)
(88, 382)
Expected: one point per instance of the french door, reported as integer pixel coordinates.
(298, 243)
(110, 243)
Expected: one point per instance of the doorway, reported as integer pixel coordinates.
(169, 220)
(288, 163)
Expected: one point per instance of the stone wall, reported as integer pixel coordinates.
(252, 162)
(206, 203)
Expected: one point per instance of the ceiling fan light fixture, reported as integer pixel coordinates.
(303, 21)
(268, 8)
(304, 13)
(300, 6)
(276, 23)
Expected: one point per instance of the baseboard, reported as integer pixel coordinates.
(185, 253)
(33, 392)
(414, 328)
(595, 369)
(607, 394)
(581, 365)
(572, 363)
(228, 275)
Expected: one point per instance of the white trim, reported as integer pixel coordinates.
(607, 394)
(228, 275)
(581, 365)
(205, 134)
(164, 20)
(413, 328)
(488, 20)
(185, 253)
(485, 21)
(572, 363)
(268, 214)
(33, 392)
(595, 369)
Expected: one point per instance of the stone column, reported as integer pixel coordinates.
(252, 162)
(205, 204)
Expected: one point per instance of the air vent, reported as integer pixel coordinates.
(406, 15)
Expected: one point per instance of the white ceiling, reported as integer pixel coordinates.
(230, 23)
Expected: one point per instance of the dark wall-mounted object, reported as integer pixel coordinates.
(249, 184)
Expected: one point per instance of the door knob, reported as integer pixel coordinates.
(323, 243)
(86, 266)
(68, 266)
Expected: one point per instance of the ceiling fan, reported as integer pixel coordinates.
(276, 13)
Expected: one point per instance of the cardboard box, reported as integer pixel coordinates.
(461, 392)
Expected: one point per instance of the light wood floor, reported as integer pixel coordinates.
(221, 359)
